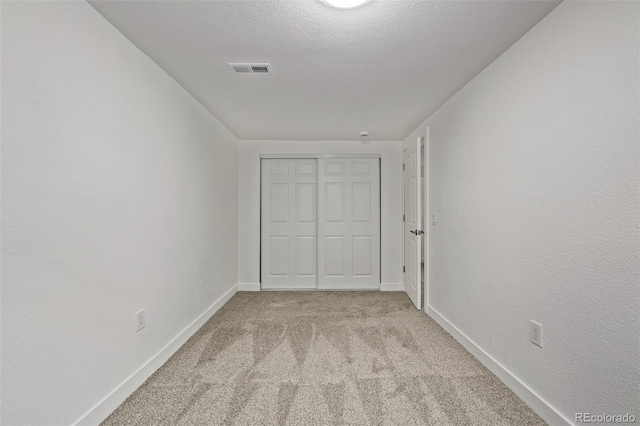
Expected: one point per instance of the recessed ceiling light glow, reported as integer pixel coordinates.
(346, 4)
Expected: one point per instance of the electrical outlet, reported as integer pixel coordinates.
(535, 333)
(142, 319)
(434, 219)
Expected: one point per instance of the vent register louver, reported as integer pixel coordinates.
(251, 68)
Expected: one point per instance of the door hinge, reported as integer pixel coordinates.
(403, 271)
(402, 166)
(403, 218)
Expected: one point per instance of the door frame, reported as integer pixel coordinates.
(409, 261)
(426, 213)
(427, 220)
(317, 157)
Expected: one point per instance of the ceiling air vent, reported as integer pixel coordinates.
(251, 68)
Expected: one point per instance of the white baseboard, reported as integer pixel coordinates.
(533, 400)
(248, 286)
(104, 408)
(391, 287)
(256, 287)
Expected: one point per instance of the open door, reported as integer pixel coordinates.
(413, 223)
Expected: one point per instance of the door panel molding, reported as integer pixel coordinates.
(288, 222)
(320, 222)
(412, 278)
(357, 226)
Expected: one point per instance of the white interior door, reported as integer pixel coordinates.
(412, 223)
(348, 224)
(288, 224)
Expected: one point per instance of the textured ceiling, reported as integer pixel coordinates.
(382, 67)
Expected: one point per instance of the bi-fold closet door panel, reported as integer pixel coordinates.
(320, 224)
(349, 224)
(288, 224)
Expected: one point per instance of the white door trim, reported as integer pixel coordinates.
(318, 156)
(427, 221)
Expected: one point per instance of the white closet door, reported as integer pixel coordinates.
(288, 252)
(348, 224)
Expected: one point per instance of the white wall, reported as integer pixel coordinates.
(119, 192)
(534, 177)
(249, 203)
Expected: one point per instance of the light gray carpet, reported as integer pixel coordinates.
(322, 358)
